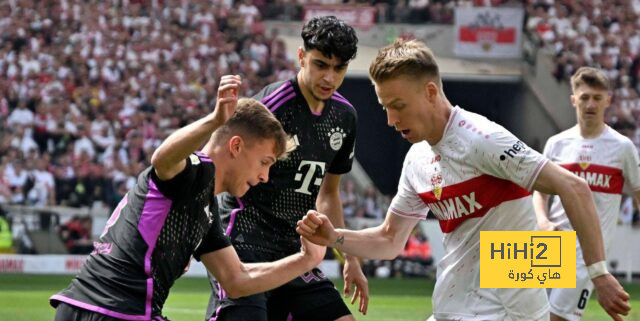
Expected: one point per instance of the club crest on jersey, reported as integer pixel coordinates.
(336, 135)
(436, 181)
(583, 161)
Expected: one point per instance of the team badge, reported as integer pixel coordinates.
(584, 161)
(436, 181)
(336, 136)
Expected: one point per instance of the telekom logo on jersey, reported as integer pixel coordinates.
(453, 204)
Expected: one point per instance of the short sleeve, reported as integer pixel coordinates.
(214, 240)
(631, 166)
(407, 202)
(188, 180)
(344, 158)
(503, 155)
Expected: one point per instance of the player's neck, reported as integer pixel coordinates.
(441, 121)
(315, 105)
(591, 130)
(217, 159)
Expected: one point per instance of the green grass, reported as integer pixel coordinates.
(24, 298)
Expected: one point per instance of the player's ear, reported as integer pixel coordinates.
(301, 56)
(236, 144)
(573, 100)
(608, 99)
(431, 90)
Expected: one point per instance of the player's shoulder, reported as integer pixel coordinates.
(569, 134)
(342, 103)
(474, 129)
(612, 134)
(276, 93)
(419, 152)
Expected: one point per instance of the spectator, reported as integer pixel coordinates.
(76, 235)
(6, 238)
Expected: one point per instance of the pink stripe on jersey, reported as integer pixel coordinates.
(284, 86)
(97, 309)
(154, 213)
(342, 100)
(203, 157)
(470, 199)
(277, 98)
(234, 213)
(282, 101)
(603, 179)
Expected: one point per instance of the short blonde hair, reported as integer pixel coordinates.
(405, 58)
(591, 77)
(254, 122)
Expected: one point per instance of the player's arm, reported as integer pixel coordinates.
(578, 204)
(169, 158)
(541, 207)
(328, 202)
(239, 279)
(636, 199)
(385, 241)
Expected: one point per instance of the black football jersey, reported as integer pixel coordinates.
(147, 242)
(264, 219)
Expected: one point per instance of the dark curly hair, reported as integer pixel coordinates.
(330, 36)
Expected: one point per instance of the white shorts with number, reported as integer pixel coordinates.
(496, 304)
(570, 303)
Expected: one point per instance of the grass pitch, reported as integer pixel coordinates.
(25, 298)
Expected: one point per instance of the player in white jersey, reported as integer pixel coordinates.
(474, 176)
(606, 160)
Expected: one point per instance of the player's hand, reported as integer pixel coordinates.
(611, 296)
(317, 228)
(353, 276)
(227, 97)
(313, 252)
(548, 226)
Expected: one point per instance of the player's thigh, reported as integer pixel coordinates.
(309, 297)
(249, 308)
(570, 303)
(253, 307)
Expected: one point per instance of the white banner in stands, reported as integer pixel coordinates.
(71, 264)
(488, 32)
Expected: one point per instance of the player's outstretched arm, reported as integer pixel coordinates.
(578, 203)
(328, 202)
(169, 158)
(385, 241)
(241, 279)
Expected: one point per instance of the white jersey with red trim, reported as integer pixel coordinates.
(606, 163)
(477, 178)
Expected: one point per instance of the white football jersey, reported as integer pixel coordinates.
(606, 163)
(477, 178)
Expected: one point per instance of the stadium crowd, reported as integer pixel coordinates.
(398, 11)
(88, 89)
